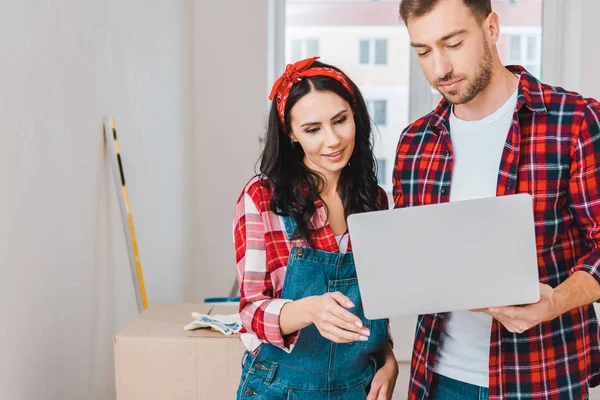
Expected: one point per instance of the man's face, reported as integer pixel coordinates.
(453, 50)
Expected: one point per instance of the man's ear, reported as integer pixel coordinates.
(491, 25)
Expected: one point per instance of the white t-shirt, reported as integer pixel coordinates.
(342, 242)
(464, 349)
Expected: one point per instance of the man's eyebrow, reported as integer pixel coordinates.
(443, 38)
(452, 34)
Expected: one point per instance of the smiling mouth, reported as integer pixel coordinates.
(337, 153)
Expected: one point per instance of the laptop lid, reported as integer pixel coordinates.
(446, 257)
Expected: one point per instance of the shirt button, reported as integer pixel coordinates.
(299, 252)
(443, 191)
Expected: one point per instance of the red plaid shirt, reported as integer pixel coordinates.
(262, 249)
(553, 153)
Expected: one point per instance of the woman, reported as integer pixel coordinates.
(304, 327)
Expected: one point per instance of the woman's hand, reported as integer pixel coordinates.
(382, 386)
(330, 315)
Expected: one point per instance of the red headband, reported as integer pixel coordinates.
(293, 74)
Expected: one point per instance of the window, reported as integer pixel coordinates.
(364, 51)
(378, 111)
(373, 52)
(356, 35)
(304, 48)
(382, 171)
(525, 49)
(514, 47)
(380, 52)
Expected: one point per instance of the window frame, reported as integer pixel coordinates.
(552, 69)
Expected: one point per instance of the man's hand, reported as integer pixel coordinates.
(519, 319)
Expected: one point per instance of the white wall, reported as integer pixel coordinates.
(571, 53)
(66, 287)
(230, 72)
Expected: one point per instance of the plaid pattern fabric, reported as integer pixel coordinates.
(552, 152)
(262, 249)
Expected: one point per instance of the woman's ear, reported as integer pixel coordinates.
(293, 137)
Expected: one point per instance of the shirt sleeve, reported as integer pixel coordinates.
(584, 188)
(397, 196)
(259, 308)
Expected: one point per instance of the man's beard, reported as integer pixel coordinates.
(481, 81)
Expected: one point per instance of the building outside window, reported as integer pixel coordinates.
(524, 49)
(359, 35)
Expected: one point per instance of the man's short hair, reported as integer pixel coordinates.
(417, 8)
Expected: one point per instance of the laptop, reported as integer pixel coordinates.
(446, 257)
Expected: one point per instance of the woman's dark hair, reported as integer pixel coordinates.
(295, 187)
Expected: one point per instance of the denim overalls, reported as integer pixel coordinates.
(317, 368)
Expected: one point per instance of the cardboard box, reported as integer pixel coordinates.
(156, 359)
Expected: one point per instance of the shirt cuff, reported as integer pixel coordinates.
(272, 329)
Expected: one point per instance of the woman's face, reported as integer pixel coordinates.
(323, 124)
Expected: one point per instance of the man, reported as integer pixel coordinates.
(499, 131)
